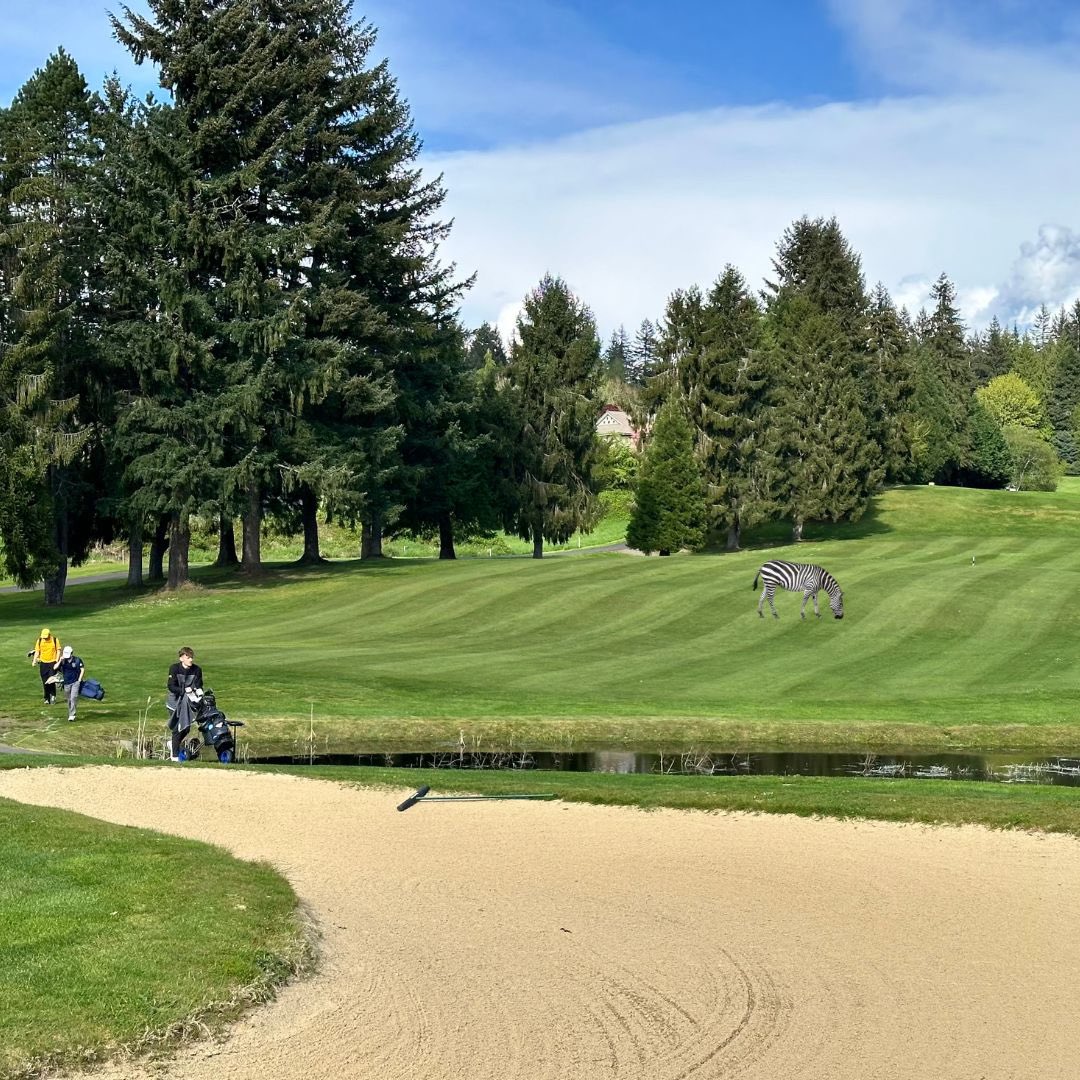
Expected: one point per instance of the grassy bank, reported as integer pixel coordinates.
(113, 937)
(107, 942)
(963, 622)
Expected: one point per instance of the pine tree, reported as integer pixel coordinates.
(670, 511)
(617, 359)
(946, 383)
(1065, 393)
(990, 461)
(48, 250)
(992, 354)
(894, 369)
(642, 361)
(484, 341)
(555, 370)
(719, 372)
(822, 438)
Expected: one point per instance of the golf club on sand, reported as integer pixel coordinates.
(421, 793)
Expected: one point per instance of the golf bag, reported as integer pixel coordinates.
(91, 688)
(215, 730)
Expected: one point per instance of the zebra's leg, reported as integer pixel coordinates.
(805, 597)
(761, 601)
(816, 612)
(770, 591)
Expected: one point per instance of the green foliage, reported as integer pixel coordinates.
(1012, 402)
(990, 463)
(670, 510)
(1035, 466)
(826, 450)
(555, 368)
(617, 464)
(48, 252)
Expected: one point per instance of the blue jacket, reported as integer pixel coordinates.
(69, 669)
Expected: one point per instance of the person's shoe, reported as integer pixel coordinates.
(172, 758)
(71, 717)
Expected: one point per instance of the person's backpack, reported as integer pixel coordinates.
(91, 688)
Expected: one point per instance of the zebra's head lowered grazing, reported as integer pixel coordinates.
(798, 577)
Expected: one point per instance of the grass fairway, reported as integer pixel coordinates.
(109, 935)
(580, 651)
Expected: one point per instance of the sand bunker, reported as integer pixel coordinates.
(518, 940)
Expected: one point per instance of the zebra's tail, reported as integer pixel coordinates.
(753, 587)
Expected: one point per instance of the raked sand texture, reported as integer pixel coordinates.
(525, 941)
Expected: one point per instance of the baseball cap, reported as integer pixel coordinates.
(67, 652)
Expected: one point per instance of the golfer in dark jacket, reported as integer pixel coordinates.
(185, 678)
(69, 674)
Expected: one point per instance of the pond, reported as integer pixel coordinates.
(1001, 767)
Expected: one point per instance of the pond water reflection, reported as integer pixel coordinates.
(1004, 768)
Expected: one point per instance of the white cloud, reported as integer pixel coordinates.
(950, 180)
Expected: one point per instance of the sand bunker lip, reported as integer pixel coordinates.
(540, 940)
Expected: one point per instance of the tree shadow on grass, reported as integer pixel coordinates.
(86, 598)
(775, 534)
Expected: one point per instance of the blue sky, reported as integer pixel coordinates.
(636, 147)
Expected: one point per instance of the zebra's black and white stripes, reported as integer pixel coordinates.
(798, 577)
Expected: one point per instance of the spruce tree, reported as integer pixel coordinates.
(823, 440)
(642, 361)
(617, 359)
(482, 342)
(670, 506)
(946, 383)
(894, 367)
(555, 368)
(1065, 394)
(719, 373)
(48, 359)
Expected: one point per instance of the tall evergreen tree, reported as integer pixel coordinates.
(618, 363)
(555, 368)
(992, 354)
(1065, 391)
(643, 357)
(48, 250)
(723, 381)
(485, 341)
(945, 384)
(670, 504)
(894, 370)
(817, 336)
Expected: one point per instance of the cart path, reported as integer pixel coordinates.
(540, 940)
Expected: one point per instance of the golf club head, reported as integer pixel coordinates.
(413, 799)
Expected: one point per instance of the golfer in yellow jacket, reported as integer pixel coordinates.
(46, 654)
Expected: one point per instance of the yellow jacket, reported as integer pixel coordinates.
(48, 649)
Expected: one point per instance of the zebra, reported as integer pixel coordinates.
(795, 577)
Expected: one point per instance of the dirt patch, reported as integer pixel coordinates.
(545, 940)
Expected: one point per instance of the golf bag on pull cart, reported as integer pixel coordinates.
(215, 730)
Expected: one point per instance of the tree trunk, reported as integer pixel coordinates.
(179, 544)
(733, 534)
(538, 543)
(158, 546)
(446, 536)
(309, 511)
(252, 560)
(664, 551)
(135, 546)
(55, 583)
(226, 552)
(796, 530)
(371, 538)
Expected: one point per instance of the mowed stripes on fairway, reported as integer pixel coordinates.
(929, 637)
